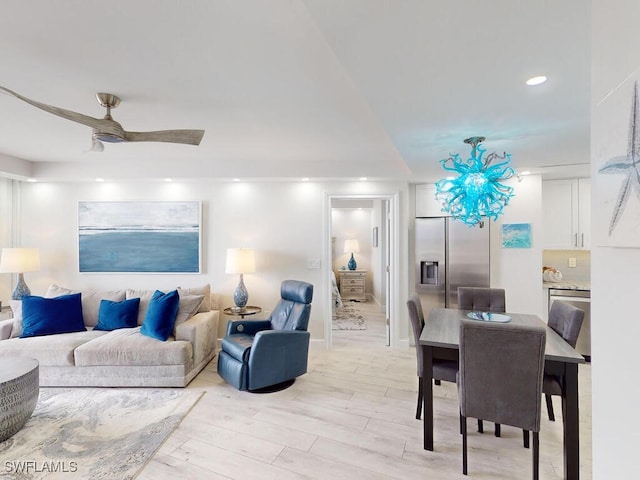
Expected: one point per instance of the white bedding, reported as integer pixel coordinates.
(335, 293)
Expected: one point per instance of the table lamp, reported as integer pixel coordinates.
(352, 246)
(240, 261)
(20, 260)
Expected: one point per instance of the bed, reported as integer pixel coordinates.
(336, 300)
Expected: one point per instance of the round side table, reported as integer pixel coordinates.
(19, 389)
(242, 312)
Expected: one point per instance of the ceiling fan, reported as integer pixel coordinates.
(108, 130)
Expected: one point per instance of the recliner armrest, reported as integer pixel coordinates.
(273, 337)
(247, 327)
(277, 356)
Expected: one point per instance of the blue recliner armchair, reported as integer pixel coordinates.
(261, 353)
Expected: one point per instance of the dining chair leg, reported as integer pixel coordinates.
(536, 455)
(480, 426)
(549, 401)
(420, 394)
(497, 429)
(525, 438)
(463, 425)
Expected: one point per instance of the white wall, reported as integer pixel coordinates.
(377, 253)
(352, 223)
(6, 233)
(519, 270)
(615, 272)
(283, 221)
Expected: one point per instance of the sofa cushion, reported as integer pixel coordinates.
(16, 309)
(90, 300)
(161, 315)
(145, 298)
(205, 290)
(189, 305)
(113, 315)
(51, 350)
(127, 346)
(47, 316)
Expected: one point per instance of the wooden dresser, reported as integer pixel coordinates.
(353, 285)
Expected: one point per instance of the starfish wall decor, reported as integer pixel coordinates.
(626, 165)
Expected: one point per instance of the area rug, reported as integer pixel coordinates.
(348, 317)
(93, 433)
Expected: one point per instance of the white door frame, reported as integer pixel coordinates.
(394, 262)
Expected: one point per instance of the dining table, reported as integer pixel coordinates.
(440, 339)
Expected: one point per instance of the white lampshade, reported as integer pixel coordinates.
(351, 246)
(240, 260)
(19, 260)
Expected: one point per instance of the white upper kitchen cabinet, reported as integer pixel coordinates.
(426, 203)
(566, 214)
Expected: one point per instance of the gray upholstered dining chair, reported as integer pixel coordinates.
(442, 369)
(485, 300)
(566, 320)
(500, 378)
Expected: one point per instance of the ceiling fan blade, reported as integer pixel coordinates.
(189, 137)
(97, 123)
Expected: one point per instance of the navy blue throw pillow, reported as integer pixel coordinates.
(48, 316)
(161, 315)
(113, 315)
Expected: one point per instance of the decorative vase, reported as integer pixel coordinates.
(352, 263)
(241, 296)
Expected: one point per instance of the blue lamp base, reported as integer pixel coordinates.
(21, 289)
(352, 263)
(241, 296)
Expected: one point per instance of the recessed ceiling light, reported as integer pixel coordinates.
(526, 172)
(168, 180)
(536, 80)
(99, 179)
(32, 180)
(236, 179)
(305, 179)
(363, 179)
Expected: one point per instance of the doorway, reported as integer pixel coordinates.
(368, 288)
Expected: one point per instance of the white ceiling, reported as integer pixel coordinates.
(328, 89)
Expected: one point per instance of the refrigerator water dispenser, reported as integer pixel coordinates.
(428, 273)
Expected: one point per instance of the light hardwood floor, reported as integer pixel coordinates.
(351, 416)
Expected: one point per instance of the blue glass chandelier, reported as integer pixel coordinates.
(477, 191)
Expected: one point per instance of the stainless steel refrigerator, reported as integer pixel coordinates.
(449, 254)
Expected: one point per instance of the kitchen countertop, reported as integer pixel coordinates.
(569, 285)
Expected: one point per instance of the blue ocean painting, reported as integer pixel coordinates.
(140, 237)
(516, 235)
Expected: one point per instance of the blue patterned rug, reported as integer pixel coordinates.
(94, 433)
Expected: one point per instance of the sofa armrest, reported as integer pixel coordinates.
(202, 331)
(5, 328)
(247, 327)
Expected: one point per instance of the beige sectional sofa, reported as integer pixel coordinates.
(124, 356)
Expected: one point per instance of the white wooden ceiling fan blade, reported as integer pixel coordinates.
(189, 137)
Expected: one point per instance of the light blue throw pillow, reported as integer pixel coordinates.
(113, 315)
(161, 315)
(48, 316)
